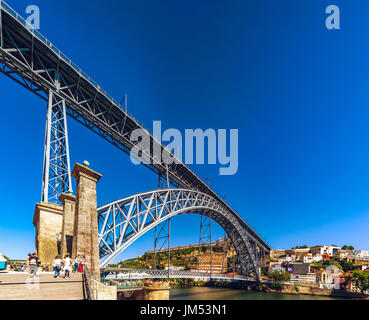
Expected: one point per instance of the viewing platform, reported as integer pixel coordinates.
(19, 286)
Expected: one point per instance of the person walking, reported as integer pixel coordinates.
(33, 262)
(81, 263)
(57, 266)
(67, 266)
(27, 263)
(76, 264)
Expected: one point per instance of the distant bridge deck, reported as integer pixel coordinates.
(137, 274)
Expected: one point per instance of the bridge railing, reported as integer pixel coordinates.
(127, 274)
(90, 285)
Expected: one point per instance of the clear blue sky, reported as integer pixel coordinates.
(297, 92)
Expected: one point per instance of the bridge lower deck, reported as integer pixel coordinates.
(18, 286)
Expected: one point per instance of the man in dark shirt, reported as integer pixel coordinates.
(34, 262)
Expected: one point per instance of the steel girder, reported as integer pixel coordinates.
(31, 60)
(124, 221)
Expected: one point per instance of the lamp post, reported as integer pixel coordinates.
(58, 240)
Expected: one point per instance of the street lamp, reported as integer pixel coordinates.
(59, 237)
(58, 240)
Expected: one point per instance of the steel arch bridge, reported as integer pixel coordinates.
(123, 221)
(34, 62)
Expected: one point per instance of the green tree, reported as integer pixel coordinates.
(278, 278)
(301, 247)
(346, 247)
(361, 280)
(347, 265)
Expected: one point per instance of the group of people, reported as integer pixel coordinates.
(66, 265)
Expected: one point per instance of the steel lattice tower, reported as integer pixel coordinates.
(205, 237)
(162, 233)
(56, 173)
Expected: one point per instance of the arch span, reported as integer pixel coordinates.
(123, 221)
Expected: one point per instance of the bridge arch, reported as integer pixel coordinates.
(123, 221)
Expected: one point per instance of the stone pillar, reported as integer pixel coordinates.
(85, 236)
(48, 219)
(69, 207)
(153, 291)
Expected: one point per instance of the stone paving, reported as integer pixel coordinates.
(18, 286)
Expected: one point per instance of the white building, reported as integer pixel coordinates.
(317, 258)
(305, 278)
(175, 268)
(331, 277)
(361, 253)
(342, 254)
(308, 258)
(330, 250)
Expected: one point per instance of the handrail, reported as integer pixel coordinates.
(90, 285)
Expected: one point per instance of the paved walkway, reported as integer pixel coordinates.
(18, 286)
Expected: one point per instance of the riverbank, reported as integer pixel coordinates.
(310, 289)
(297, 289)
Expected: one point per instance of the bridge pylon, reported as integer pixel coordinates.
(162, 233)
(56, 170)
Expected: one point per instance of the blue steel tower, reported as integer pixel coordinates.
(56, 173)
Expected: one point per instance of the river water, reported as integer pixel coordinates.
(207, 293)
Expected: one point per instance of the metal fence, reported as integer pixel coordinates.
(90, 285)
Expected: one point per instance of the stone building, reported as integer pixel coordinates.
(215, 262)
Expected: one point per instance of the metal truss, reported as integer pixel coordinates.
(124, 221)
(162, 231)
(56, 173)
(225, 251)
(162, 238)
(31, 60)
(205, 236)
(137, 274)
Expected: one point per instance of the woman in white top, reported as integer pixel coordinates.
(57, 266)
(67, 266)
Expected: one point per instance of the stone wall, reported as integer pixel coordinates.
(306, 289)
(48, 220)
(107, 292)
(153, 291)
(99, 291)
